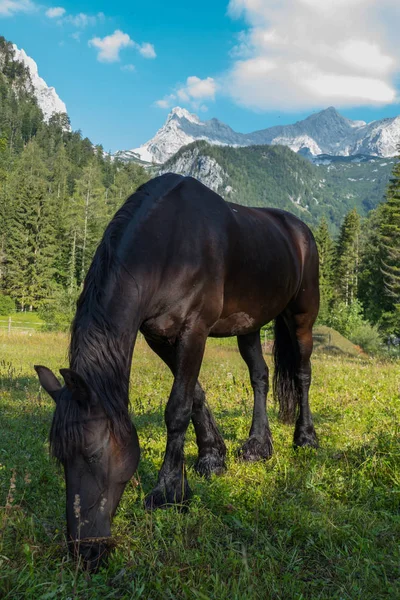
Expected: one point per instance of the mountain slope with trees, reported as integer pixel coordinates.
(57, 193)
(277, 176)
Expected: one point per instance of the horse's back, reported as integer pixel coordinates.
(190, 248)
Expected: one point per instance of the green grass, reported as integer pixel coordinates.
(306, 525)
(330, 341)
(25, 322)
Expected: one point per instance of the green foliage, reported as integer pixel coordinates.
(58, 311)
(390, 321)
(368, 337)
(380, 261)
(31, 240)
(349, 320)
(326, 251)
(7, 305)
(345, 318)
(348, 258)
(371, 286)
(390, 245)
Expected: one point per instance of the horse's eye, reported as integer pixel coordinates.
(95, 457)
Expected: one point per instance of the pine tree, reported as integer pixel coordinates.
(390, 249)
(371, 287)
(89, 213)
(127, 179)
(326, 249)
(31, 243)
(347, 259)
(5, 208)
(60, 188)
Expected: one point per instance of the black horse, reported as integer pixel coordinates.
(179, 264)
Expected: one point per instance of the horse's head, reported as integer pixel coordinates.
(98, 458)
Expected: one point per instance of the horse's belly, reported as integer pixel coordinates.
(236, 324)
(244, 313)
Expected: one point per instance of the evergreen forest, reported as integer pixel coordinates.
(57, 193)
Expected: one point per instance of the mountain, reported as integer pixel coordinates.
(325, 132)
(180, 129)
(276, 176)
(47, 97)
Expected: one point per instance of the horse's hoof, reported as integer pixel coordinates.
(168, 496)
(305, 437)
(256, 449)
(210, 464)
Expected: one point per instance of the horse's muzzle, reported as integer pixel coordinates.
(92, 552)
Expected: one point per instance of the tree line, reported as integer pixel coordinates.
(57, 194)
(360, 271)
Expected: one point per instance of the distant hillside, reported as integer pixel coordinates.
(276, 176)
(330, 341)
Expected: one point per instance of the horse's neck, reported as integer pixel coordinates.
(104, 356)
(104, 333)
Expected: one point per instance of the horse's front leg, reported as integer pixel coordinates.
(172, 486)
(212, 449)
(259, 445)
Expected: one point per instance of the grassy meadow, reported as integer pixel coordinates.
(305, 525)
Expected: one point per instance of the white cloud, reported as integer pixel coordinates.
(166, 102)
(365, 56)
(57, 11)
(194, 93)
(303, 54)
(82, 20)
(129, 68)
(110, 46)
(8, 8)
(146, 50)
(201, 88)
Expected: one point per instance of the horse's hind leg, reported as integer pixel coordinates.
(212, 449)
(292, 378)
(304, 433)
(259, 444)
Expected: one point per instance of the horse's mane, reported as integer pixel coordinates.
(95, 348)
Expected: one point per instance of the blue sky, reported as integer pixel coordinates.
(120, 66)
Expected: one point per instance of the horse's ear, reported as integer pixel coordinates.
(77, 386)
(48, 381)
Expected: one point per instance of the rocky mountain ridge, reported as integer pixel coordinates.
(325, 132)
(47, 97)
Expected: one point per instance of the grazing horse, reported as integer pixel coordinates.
(179, 264)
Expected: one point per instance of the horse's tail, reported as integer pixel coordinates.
(286, 357)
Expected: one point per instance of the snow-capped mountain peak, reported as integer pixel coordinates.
(182, 113)
(47, 97)
(324, 132)
(180, 129)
